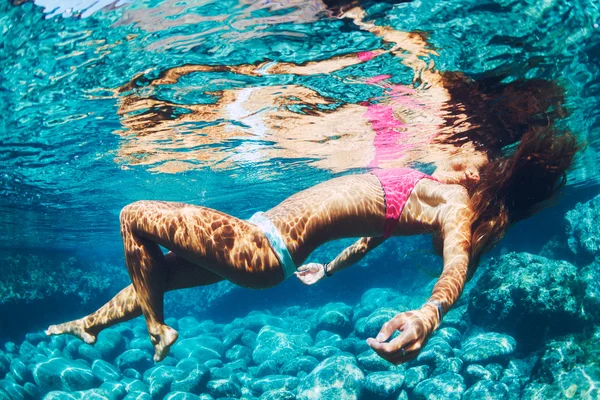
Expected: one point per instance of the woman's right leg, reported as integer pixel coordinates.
(125, 306)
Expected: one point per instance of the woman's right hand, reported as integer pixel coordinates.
(310, 273)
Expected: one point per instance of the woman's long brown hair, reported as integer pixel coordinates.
(499, 113)
(515, 186)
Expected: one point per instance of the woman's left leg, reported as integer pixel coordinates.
(125, 306)
(231, 248)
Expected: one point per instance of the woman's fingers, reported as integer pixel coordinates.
(388, 329)
(403, 348)
(307, 279)
(309, 273)
(398, 350)
(303, 268)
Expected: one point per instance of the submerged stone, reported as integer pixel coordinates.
(105, 371)
(275, 382)
(33, 392)
(268, 367)
(137, 396)
(159, 379)
(370, 361)
(139, 360)
(88, 352)
(451, 335)
(228, 370)
(110, 344)
(384, 384)
(188, 364)
(335, 317)
(487, 390)
(60, 395)
(181, 396)
(452, 364)
(327, 338)
(141, 344)
(278, 345)
(488, 347)
(57, 342)
(256, 321)
(27, 348)
(582, 382)
(495, 370)
(194, 382)
(20, 371)
(187, 323)
(278, 395)
(517, 374)
(457, 318)
(36, 337)
(414, 375)
(12, 389)
(322, 352)
(528, 296)
(371, 325)
(223, 388)
(93, 394)
(448, 386)
(591, 300)
(214, 363)
(4, 365)
(11, 347)
(71, 349)
(203, 348)
(249, 339)
(115, 390)
(349, 345)
(337, 378)
(238, 352)
(435, 352)
(583, 230)
(234, 337)
(299, 364)
(376, 298)
(475, 373)
(64, 375)
(560, 356)
(132, 373)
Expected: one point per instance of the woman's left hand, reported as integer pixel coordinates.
(416, 327)
(310, 273)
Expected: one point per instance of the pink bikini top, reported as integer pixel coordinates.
(397, 184)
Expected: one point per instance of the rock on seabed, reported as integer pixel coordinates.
(337, 378)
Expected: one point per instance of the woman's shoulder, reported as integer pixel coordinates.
(450, 193)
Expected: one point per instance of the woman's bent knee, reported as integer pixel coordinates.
(134, 211)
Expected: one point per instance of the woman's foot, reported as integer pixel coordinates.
(76, 328)
(162, 341)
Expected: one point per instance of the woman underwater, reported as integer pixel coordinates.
(207, 246)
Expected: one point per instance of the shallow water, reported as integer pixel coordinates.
(107, 103)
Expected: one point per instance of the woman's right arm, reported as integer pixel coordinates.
(313, 272)
(354, 253)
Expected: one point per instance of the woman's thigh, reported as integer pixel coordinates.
(220, 243)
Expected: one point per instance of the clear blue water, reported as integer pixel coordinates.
(84, 130)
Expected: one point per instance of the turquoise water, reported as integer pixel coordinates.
(88, 126)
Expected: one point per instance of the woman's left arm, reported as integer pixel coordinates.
(418, 325)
